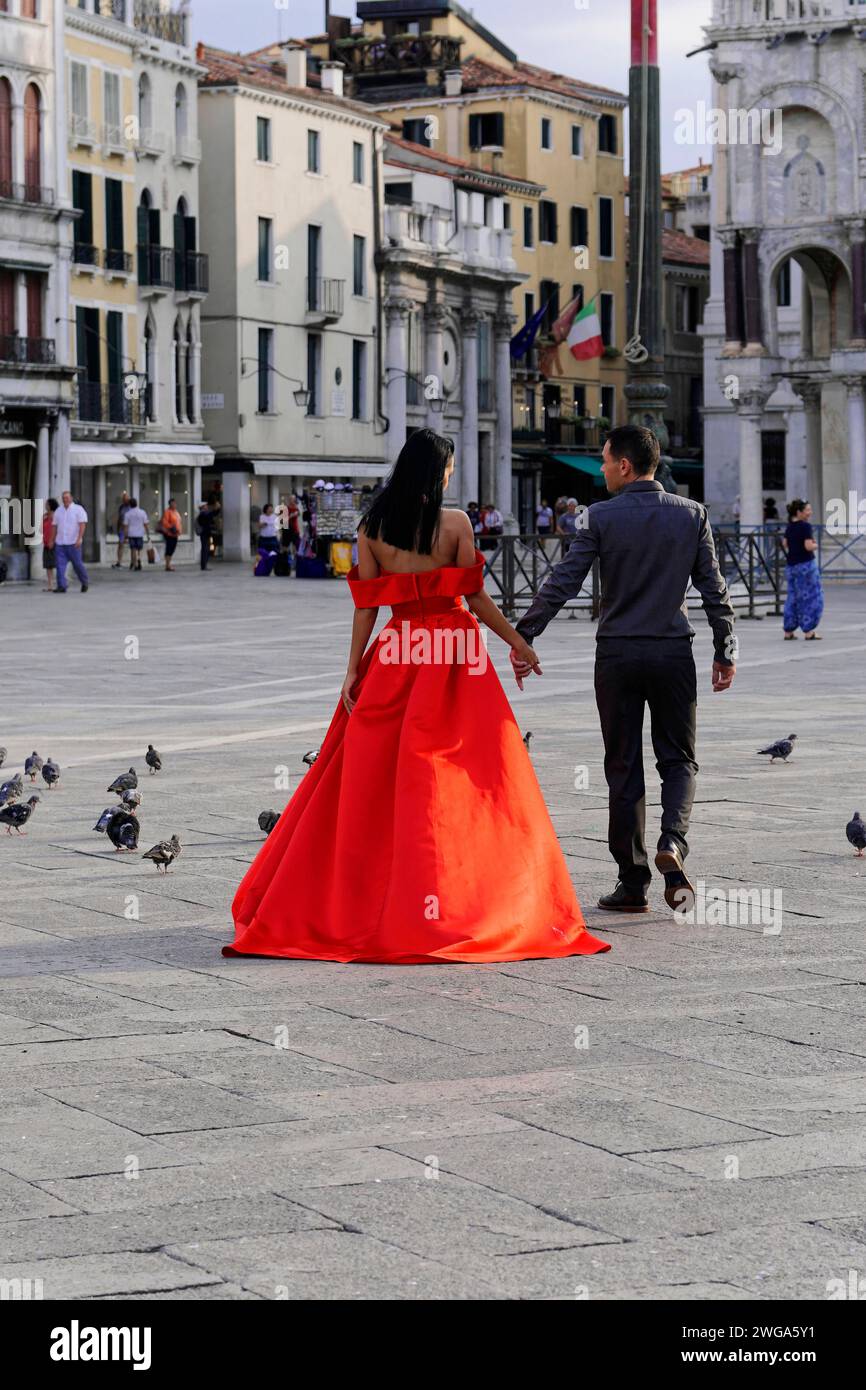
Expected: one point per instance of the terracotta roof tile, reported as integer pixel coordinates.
(683, 249)
(267, 72)
(477, 72)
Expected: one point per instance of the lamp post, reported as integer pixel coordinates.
(301, 395)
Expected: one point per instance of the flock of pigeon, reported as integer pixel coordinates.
(118, 821)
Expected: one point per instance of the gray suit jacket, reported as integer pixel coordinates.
(650, 545)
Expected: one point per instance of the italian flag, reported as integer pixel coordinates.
(584, 338)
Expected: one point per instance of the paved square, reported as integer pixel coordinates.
(684, 1118)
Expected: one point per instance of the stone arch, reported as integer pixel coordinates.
(826, 318)
(807, 104)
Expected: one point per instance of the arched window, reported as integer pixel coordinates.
(32, 144)
(145, 104)
(180, 112)
(5, 138)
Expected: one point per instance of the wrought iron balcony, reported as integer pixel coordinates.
(403, 55)
(82, 130)
(156, 267)
(29, 192)
(324, 299)
(116, 261)
(191, 272)
(111, 9)
(151, 18)
(33, 351)
(83, 253)
(103, 403)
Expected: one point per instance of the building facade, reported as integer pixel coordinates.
(448, 83)
(785, 324)
(291, 189)
(36, 377)
(449, 278)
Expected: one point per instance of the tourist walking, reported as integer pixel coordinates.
(49, 556)
(70, 523)
(137, 528)
(170, 527)
(204, 524)
(804, 602)
(120, 527)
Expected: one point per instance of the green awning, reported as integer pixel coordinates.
(584, 464)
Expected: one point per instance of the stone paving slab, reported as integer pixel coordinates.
(311, 1130)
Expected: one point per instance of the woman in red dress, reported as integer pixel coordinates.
(420, 832)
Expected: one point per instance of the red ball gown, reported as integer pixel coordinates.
(420, 832)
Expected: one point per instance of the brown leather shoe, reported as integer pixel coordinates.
(679, 891)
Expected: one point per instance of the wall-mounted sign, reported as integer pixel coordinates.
(338, 402)
(213, 400)
(11, 428)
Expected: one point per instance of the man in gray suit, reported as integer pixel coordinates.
(650, 545)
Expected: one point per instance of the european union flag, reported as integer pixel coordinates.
(525, 337)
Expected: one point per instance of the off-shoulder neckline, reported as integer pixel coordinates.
(437, 569)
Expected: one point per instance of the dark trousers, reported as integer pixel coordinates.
(631, 673)
(204, 541)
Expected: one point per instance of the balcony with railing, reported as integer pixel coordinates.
(116, 261)
(323, 300)
(378, 60)
(113, 139)
(789, 14)
(32, 352)
(82, 130)
(187, 150)
(414, 227)
(31, 191)
(101, 403)
(191, 273)
(151, 143)
(111, 9)
(85, 255)
(153, 18)
(156, 269)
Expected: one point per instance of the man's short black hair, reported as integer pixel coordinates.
(637, 444)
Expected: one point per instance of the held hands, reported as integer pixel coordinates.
(524, 662)
(723, 676)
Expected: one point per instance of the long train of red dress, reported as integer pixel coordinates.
(420, 832)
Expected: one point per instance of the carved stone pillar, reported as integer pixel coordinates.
(396, 366)
(858, 283)
(809, 392)
(503, 329)
(750, 409)
(467, 464)
(434, 323)
(856, 441)
(734, 329)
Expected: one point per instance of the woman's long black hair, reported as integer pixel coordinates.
(406, 512)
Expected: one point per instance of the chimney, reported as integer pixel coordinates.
(453, 82)
(295, 59)
(332, 78)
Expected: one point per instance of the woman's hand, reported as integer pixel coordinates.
(524, 661)
(346, 691)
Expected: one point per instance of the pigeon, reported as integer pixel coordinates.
(310, 758)
(102, 824)
(152, 758)
(131, 798)
(526, 738)
(50, 774)
(12, 790)
(164, 853)
(2, 756)
(122, 830)
(33, 765)
(856, 832)
(781, 749)
(17, 814)
(267, 820)
(125, 782)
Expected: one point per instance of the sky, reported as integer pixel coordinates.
(584, 38)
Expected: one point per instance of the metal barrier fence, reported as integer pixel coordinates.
(751, 559)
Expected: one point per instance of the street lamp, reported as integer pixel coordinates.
(301, 395)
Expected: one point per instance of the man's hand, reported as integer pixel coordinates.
(723, 676)
(524, 662)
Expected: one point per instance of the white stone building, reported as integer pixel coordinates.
(291, 180)
(449, 279)
(35, 219)
(785, 325)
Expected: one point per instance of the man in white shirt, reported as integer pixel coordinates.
(70, 522)
(136, 526)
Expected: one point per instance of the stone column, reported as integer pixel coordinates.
(396, 367)
(60, 461)
(40, 495)
(434, 323)
(858, 284)
(750, 409)
(182, 378)
(99, 521)
(503, 329)
(733, 300)
(856, 442)
(752, 292)
(809, 392)
(236, 516)
(195, 362)
(467, 464)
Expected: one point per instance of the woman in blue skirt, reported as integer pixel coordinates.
(805, 600)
